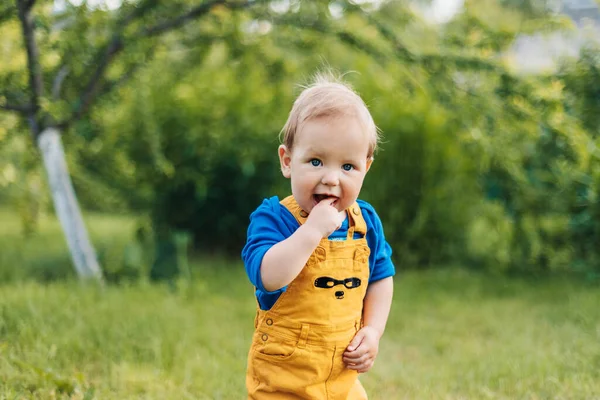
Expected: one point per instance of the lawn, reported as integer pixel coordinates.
(453, 334)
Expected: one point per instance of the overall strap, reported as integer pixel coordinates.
(356, 222)
(292, 205)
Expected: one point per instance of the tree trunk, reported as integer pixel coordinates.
(67, 207)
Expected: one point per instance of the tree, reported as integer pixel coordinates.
(71, 60)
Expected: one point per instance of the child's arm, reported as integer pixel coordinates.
(284, 260)
(377, 304)
(361, 352)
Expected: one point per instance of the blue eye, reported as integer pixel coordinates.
(315, 162)
(347, 167)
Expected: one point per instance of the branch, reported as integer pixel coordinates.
(33, 65)
(111, 85)
(58, 81)
(29, 4)
(89, 93)
(180, 20)
(118, 42)
(464, 62)
(460, 61)
(107, 88)
(104, 58)
(400, 50)
(33, 62)
(138, 12)
(365, 47)
(189, 16)
(17, 107)
(344, 36)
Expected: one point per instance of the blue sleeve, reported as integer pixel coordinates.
(265, 230)
(380, 260)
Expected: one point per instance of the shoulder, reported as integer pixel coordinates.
(365, 206)
(269, 206)
(381, 252)
(369, 214)
(273, 214)
(268, 210)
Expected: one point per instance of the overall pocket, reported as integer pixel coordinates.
(279, 366)
(273, 348)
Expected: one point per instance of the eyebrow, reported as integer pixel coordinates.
(311, 151)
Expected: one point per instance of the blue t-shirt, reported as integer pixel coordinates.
(271, 223)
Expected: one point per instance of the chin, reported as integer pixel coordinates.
(342, 208)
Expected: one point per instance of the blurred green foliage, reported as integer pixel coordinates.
(479, 165)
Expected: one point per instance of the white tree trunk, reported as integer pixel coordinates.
(67, 207)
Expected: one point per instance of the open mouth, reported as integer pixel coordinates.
(320, 197)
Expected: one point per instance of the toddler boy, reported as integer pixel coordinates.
(318, 258)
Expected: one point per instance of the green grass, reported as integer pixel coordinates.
(45, 255)
(452, 334)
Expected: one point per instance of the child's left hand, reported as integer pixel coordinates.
(362, 350)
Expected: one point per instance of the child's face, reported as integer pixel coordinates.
(329, 159)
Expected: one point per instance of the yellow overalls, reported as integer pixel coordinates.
(297, 346)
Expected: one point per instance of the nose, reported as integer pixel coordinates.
(330, 178)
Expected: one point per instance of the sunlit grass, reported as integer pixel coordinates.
(125, 341)
(452, 335)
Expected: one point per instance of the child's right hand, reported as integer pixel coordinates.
(325, 218)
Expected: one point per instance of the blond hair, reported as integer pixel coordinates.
(329, 96)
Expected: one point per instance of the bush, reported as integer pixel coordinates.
(421, 183)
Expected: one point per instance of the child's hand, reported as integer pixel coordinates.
(362, 350)
(325, 218)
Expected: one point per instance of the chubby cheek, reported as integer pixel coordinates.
(304, 187)
(351, 192)
(303, 195)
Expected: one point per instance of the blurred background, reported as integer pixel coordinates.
(169, 115)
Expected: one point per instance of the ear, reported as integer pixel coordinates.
(369, 162)
(285, 159)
